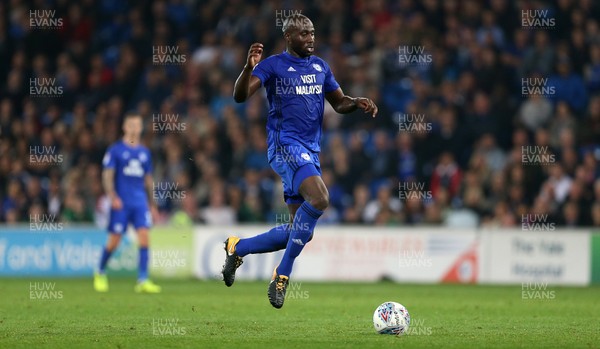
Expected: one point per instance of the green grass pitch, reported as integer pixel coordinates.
(206, 314)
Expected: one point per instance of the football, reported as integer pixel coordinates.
(391, 318)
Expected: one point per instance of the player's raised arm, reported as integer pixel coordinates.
(345, 104)
(246, 84)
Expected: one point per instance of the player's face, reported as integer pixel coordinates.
(133, 127)
(302, 38)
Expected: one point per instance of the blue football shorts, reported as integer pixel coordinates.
(294, 163)
(139, 216)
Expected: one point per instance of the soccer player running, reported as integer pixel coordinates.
(297, 84)
(127, 181)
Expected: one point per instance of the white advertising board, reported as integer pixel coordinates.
(353, 254)
(554, 257)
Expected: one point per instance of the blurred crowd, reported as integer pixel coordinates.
(495, 124)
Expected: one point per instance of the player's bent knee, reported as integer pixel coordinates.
(320, 202)
(143, 237)
(113, 242)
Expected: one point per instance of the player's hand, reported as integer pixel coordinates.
(116, 203)
(367, 105)
(154, 214)
(254, 55)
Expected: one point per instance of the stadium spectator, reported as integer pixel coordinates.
(447, 175)
(569, 86)
(539, 58)
(218, 212)
(535, 112)
(75, 210)
(383, 202)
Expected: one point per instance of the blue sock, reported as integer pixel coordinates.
(104, 260)
(273, 240)
(302, 229)
(143, 264)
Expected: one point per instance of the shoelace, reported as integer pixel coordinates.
(280, 285)
(238, 261)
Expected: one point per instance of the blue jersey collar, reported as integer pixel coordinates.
(295, 59)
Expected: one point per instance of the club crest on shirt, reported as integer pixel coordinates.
(317, 67)
(134, 168)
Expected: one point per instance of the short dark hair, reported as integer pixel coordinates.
(293, 20)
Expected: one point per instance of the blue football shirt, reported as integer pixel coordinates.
(296, 90)
(131, 165)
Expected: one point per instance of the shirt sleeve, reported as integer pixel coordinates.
(264, 71)
(330, 83)
(109, 160)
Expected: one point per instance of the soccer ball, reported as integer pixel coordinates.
(391, 318)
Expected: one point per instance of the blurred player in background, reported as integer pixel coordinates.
(297, 84)
(127, 181)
